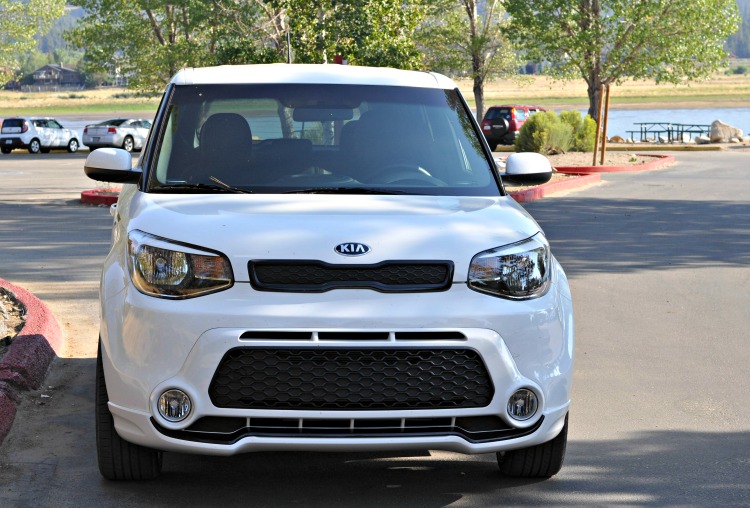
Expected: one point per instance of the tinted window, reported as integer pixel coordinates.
(13, 122)
(494, 113)
(287, 138)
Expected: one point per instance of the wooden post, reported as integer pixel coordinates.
(604, 131)
(598, 125)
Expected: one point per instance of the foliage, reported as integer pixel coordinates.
(150, 40)
(610, 41)
(544, 132)
(740, 69)
(365, 32)
(19, 23)
(146, 40)
(584, 130)
(463, 37)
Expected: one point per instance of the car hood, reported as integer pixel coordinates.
(309, 226)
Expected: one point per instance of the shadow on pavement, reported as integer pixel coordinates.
(631, 235)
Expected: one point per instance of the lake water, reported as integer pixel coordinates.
(623, 120)
(620, 120)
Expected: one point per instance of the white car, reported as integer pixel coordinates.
(36, 135)
(324, 258)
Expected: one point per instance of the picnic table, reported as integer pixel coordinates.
(673, 131)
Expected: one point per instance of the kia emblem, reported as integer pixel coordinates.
(352, 249)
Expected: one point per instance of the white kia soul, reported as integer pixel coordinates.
(323, 258)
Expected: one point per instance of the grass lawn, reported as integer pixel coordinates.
(719, 91)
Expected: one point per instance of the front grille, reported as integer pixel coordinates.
(228, 430)
(317, 276)
(351, 379)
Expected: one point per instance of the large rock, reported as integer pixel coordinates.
(722, 132)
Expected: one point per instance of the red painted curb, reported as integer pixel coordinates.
(540, 191)
(99, 197)
(659, 162)
(29, 356)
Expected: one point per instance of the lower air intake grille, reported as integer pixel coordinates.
(351, 379)
(316, 276)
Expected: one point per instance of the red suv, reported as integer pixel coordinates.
(500, 124)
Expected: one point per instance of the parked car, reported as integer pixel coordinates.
(501, 124)
(126, 133)
(367, 284)
(36, 135)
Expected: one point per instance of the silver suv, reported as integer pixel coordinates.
(37, 135)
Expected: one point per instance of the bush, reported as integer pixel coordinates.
(549, 134)
(544, 133)
(740, 69)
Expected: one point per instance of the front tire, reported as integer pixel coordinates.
(540, 461)
(118, 459)
(73, 145)
(35, 146)
(128, 144)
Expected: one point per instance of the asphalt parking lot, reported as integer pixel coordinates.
(658, 266)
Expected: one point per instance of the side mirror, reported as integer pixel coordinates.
(111, 165)
(528, 168)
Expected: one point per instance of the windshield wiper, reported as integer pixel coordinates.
(346, 190)
(220, 186)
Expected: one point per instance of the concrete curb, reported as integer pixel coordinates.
(99, 197)
(29, 356)
(540, 191)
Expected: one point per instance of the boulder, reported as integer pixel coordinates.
(735, 140)
(702, 140)
(663, 139)
(616, 139)
(722, 132)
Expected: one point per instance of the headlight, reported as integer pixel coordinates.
(161, 268)
(519, 271)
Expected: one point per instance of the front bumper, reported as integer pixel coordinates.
(151, 345)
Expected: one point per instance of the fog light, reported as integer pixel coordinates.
(522, 405)
(174, 405)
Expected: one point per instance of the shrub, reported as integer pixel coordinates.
(548, 133)
(740, 69)
(544, 133)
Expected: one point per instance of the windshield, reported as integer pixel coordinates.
(320, 138)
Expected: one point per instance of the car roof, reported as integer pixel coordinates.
(312, 74)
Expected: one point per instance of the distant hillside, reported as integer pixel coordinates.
(54, 39)
(739, 44)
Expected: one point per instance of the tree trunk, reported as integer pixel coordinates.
(479, 95)
(594, 91)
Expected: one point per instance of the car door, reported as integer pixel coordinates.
(44, 133)
(58, 133)
(141, 127)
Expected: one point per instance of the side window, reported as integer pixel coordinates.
(52, 124)
(520, 114)
(40, 123)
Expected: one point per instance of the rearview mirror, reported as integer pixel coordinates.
(322, 114)
(111, 165)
